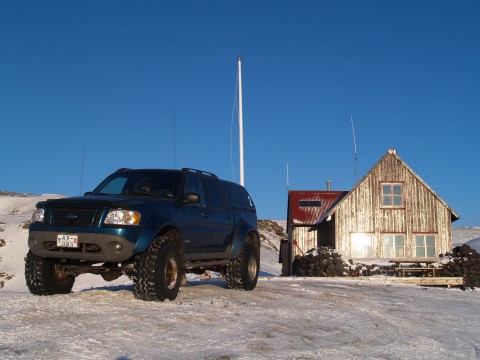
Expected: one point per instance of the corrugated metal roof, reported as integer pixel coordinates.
(306, 207)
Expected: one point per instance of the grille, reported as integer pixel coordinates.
(73, 217)
(84, 248)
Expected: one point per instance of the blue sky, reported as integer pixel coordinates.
(108, 76)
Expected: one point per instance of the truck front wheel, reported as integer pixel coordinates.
(242, 272)
(158, 271)
(44, 277)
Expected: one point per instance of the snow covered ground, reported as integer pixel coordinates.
(470, 236)
(283, 318)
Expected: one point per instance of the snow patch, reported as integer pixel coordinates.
(283, 318)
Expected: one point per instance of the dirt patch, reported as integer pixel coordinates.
(4, 277)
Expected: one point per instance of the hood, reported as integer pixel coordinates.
(102, 201)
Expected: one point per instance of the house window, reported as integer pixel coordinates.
(425, 246)
(392, 195)
(309, 203)
(362, 245)
(394, 245)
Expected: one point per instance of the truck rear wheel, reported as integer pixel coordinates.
(242, 272)
(158, 271)
(44, 277)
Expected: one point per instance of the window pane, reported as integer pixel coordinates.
(194, 184)
(399, 240)
(387, 200)
(430, 251)
(430, 240)
(397, 201)
(386, 189)
(388, 252)
(115, 186)
(388, 240)
(215, 194)
(388, 249)
(367, 252)
(362, 245)
(309, 203)
(420, 240)
(400, 252)
(397, 189)
(420, 252)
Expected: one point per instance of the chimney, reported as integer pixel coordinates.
(392, 152)
(329, 185)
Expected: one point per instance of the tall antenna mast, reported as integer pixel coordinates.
(240, 119)
(288, 181)
(174, 138)
(355, 150)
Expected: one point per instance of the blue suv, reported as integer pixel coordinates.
(151, 225)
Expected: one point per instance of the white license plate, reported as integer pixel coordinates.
(68, 241)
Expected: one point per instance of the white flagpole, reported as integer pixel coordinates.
(240, 119)
(288, 181)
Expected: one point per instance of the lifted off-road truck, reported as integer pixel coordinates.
(151, 225)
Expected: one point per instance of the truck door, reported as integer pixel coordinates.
(194, 218)
(220, 213)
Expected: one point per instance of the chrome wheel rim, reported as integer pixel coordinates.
(252, 268)
(171, 273)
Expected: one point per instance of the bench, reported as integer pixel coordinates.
(414, 266)
(422, 281)
(425, 271)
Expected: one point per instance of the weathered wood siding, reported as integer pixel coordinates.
(306, 239)
(361, 211)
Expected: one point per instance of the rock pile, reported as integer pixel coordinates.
(464, 262)
(367, 269)
(327, 262)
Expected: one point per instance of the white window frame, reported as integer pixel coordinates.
(425, 246)
(392, 195)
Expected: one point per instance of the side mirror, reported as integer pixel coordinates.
(192, 198)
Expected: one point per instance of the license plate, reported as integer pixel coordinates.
(68, 241)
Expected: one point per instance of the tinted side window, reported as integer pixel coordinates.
(239, 195)
(194, 184)
(215, 194)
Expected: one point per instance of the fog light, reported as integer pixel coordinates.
(115, 246)
(32, 242)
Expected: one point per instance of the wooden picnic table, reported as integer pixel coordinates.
(414, 265)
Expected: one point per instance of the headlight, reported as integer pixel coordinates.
(122, 217)
(38, 215)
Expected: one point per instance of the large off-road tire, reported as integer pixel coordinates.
(242, 272)
(158, 271)
(43, 277)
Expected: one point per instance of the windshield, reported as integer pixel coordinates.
(158, 183)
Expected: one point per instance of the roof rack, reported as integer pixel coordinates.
(199, 172)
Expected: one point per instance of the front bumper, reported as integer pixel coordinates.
(99, 247)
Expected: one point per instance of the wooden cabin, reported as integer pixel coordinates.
(390, 213)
